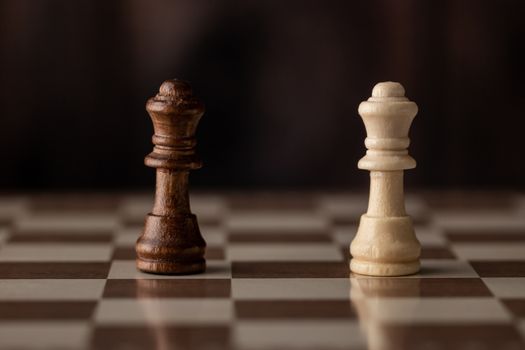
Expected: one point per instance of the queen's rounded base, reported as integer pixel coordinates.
(171, 245)
(171, 268)
(385, 246)
(384, 269)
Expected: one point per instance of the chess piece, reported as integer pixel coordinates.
(385, 243)
(171, 242)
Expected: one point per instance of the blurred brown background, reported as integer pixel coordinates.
(281, 80)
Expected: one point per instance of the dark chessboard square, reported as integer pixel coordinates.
(209, 220)
(201, 337)
(420, 220)
(272, 202)
(167, 288)
(74, 202)
(290, 269)
(346, 253)
(470, 201)
(134, 221)
(437, 253)
(54, 237)
(346, 221)
(451, 336)
(515, 306)
(421, 287)
(124, 253)
(499, 268)
(279, 237)
(294, 309)
(214, 253)
(46, 310)
(50, 270)
(475, 236)
(6, 221)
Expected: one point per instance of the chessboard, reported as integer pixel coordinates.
(277, 275)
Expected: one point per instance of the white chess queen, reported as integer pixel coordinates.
(385, 244)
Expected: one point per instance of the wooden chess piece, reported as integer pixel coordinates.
(385, 243)
(171, 242)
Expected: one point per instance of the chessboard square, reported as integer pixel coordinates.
(6, 221)
(324, 334)
(343, 235)
(339, 221)
(195, 337)
(489, 251)
(436, 253)
(51, 289)
(283, 252)
(125, 269)
(506, 287)
(430, 236)
(124, 253)
(214, 253)
(521, 328)
(416, 205)
(299, 222)
(58, 252)
(384, 287)
(294, 309)
(444, 268)
(164, 311)
(291, 289)
(301, 269)
(74, 203)
(44, 237)
(477, 236)
(136, 206)
(208, 207)
(127, 236)
(167, 288)
(436, 310)
(93, 223)
(343, 205)
(48, 270)
(456, 336)
(280, 237)
(46, 310)
(4, 235)
(12, 207)
(499, 268)
(520, 205)
(44, 335)
(470, 202)
(214, 236)
(515, 306)
(465, 221)
(271, 202)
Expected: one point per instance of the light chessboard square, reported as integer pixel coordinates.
(51, 289)
(164, 311)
